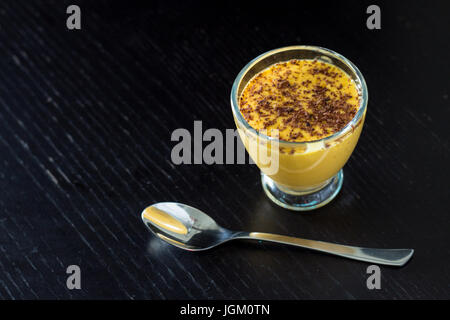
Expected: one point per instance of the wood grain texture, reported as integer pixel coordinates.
(85, 123)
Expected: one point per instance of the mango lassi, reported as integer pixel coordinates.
(299, 111)
(306, 101)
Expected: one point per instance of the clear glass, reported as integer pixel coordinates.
(300, 175)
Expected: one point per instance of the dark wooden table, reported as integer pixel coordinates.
(86, 118)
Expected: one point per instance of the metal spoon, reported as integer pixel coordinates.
(191, 229)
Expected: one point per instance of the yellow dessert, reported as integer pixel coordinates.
(308, 102)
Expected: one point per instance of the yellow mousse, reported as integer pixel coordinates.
(306, 101)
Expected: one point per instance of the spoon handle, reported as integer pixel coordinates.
(392, 257)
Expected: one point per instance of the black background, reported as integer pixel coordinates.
(85, 124)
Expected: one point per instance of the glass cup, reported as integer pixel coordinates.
(300, 175)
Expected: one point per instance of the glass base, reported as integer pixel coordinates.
(302, 201)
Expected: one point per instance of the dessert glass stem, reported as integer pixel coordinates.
(302, 201)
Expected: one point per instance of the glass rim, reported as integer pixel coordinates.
(352, 123)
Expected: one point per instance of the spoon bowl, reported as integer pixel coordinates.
(184, 226)
(191, 229)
